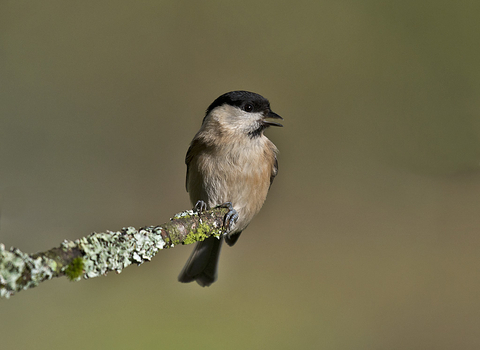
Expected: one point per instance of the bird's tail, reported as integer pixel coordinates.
(202, 265)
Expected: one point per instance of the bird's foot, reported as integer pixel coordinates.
(231, 217)
(200, 206)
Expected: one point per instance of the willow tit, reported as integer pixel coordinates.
(229, 163)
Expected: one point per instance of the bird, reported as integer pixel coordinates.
(232, 164)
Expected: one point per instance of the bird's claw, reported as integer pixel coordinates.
(200, 206)
(231, 217)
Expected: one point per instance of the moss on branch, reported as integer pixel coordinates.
(99, 253)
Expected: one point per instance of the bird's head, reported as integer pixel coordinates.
(241, 113)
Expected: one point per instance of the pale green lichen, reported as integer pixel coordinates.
(102, 252)
(114, 251)
(184, 214)
(14, 264)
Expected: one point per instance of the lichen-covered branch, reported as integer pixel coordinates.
(99, 253)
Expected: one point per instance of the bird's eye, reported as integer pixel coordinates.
(248, 107)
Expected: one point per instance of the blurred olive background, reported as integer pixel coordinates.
(369, 238)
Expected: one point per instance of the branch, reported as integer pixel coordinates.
(99, 253)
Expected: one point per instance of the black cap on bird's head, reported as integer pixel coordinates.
(249, 102)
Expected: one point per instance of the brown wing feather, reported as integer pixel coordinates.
(274, 170)
(196, 147)
(188, 158)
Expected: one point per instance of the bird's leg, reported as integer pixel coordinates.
(231, 217)
(200, 206)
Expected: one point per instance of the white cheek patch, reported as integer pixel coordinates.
(236, 120)
(245, 121)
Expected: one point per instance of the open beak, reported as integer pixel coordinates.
(272, 115)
